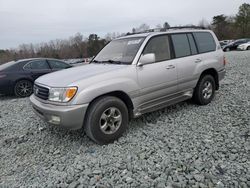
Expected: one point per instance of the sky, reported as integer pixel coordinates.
(36, 21)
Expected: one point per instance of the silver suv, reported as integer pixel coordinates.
(130, 76)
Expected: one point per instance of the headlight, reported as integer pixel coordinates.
(62, 94)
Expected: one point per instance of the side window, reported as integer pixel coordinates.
(181, 45)
(192, 44)
(159, 45)
(27, 66)
(57, 64)
(37, 65)
(204, 41)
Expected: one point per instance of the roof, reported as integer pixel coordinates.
(38, 58)
(154, 32)
(29, 59)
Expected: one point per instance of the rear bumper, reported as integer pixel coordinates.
(70, 117)
(221, 74)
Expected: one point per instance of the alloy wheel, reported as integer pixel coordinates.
(207, 90)
(24, 88)
(111, 120)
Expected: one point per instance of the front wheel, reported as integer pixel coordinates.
(205, 90)
(248, 48)
(23, 88)
(106, 120)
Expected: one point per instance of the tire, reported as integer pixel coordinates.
(205, 90)
(23, 88)
(227, 49)
(102, 123)
(248, 48)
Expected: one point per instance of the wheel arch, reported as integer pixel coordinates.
(120, 95)
(214, 73)
(24, 78)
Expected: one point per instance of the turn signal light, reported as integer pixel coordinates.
(70, 93)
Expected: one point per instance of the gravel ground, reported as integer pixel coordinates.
(184, 145)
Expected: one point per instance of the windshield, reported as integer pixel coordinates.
(7, 65)
(121, 51)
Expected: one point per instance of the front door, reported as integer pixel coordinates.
(158, 80)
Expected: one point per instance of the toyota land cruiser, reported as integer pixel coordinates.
(130, 76)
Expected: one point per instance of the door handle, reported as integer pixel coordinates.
(170, 67)
(198, 60)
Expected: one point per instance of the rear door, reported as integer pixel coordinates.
(187, 60)
(37, 68)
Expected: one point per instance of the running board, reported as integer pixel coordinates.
(167, 101)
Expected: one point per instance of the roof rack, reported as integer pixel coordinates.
(166, 29)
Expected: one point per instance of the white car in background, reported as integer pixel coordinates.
(245, 46)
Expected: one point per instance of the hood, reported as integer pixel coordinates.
(66, 77)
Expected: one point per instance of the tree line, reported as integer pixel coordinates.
(225, 27)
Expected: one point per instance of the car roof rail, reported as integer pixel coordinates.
(166, 29)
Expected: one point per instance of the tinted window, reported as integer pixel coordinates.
(37, 65)
(181, 45)
(160, 47)
(58, 64)
(205, 42)
(192, 44)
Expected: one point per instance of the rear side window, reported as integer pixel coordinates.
(159, 45)
(205, 42)
(181, 45)
(37, 65)
(58, 64)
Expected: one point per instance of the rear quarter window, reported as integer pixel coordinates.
(205, 42)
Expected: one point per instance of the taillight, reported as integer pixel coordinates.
(224, 61)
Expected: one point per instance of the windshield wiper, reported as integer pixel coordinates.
(110, 61)
(95, 61)
(115, 62)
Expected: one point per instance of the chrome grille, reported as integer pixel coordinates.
(41, 92)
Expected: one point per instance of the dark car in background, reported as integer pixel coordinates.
(17, 77)
(222, 44)
(233, 45)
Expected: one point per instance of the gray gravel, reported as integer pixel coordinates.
(184, 145)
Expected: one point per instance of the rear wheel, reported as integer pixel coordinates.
(106, 120)
(205, 90)
(23, 88)
(248, 48)
(227, 49)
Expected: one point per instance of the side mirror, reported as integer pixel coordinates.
(146, 59)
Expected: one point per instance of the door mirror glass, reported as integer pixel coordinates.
(147, 59)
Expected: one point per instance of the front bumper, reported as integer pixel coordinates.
(71, 117)
(6, 87)
(222, 74)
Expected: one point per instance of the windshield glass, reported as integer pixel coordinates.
(7, 65)
(121, 51)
